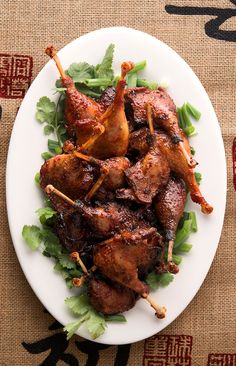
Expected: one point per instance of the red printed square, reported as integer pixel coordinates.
(15, 75)
(168, 350)
(221, 359)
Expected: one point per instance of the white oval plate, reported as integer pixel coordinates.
(23, 197)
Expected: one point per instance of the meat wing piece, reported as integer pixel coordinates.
(122, 257)
(176, 160)
(147, 176)
(115, 168)
(72, 232)
(169, 205)
(70, 175)
(107, 219)
(139, 141)
(110, 298)
(114, 141)
(78, 106)
(163, 112)
(107, 97)
(116, 176)
(179, 165)
(163, 108)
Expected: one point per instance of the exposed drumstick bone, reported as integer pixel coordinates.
(104, 118)
(149, 118)
(88, 158)
(51, 189)
(191, 162)
(75, 257)
(52, 53)
(160, 310)
(100, 129)
(104, 172)
(78, 281)
(172, 267)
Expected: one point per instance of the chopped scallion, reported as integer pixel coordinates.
(196, 114)
(46, 155)
(132, 80)
(144, 82)
(138, 67)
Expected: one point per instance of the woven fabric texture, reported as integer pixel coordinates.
(208, 325)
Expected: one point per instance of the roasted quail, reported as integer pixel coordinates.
(169, 205)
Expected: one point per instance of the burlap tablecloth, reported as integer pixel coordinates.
(205, 333)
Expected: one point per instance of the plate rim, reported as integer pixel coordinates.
(10, 148)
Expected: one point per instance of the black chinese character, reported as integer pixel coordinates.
(212, 27)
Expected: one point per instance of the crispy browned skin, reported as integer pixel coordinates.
(147, 176)
(139, 141)
(123, 256)
(80, 109)
(114, 141)
(107, 97)
(116, 176)
(115, 166)
(176, 160)
(169, 205)
(163, 109)
(72, 231)
(110, 298)
(68, 174)
(105, 220)
(179, 165)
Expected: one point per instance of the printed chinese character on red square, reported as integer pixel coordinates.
(15, 75)
(221, 359)
(168, 350)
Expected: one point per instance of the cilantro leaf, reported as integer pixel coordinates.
(71, 328)
(51, 242)
(66, 262)
(32, 236)
(45, 213)
(104, 70)
(80, 72)
(155, 280)
(45, 110)
(79, 305)
(94, 321)
(95, 324)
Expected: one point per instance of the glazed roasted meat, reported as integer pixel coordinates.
(115, 139)
(163, 108)
(147, 176)
(68, 174)
(107, 97)
(113, 171)
(180, 167)
(169, 206)
(164, 114)
(110, 298)
(117, 183)
(105, 220)
(123, 257)
(79, 107)
(72, 231)
(175, 158)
